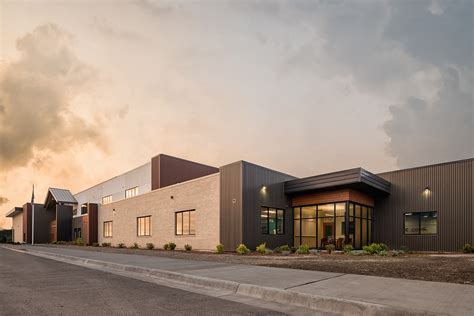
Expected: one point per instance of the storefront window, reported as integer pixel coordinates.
(329, 226)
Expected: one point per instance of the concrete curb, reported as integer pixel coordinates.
(287, 297)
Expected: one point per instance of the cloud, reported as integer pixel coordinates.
(103, 25)
(421, 132)
(3, 200)
(37, 94)
(435, 8)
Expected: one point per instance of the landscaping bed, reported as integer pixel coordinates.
(444, 267)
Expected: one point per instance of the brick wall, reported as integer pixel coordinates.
(201, 194)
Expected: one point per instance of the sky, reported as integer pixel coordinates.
(91, 89)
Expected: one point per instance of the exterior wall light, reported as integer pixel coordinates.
(264, 188)
(427, 191)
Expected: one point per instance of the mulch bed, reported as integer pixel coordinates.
(447, 267)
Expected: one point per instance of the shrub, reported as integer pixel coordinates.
(268, 251)
(467, 248)
(171, 245)
(78, 242)
(150, 245)
(95, 244)
(347, 249)
(293, 249)
(242, 249)
(106, 244)
(134, 246)
(121, 245)
(261, 248)
(303, 249)
(277, 250)
(285, 248)
(375, 248)
(188, 247)
(383, 253)
(166, 246)
(330, 248)
(220, 248)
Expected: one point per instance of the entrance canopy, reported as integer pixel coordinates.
(59, 196)
(357, 178)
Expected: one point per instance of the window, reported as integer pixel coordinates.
(84, 208)
(108, 229)
(77, 233)
(272, 221)
(131, 192)
(144, 226)
(421, 223)
(107, 199)
(185, 223)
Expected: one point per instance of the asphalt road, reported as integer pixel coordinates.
(36, 286)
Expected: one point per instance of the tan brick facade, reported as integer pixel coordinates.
(200, 194)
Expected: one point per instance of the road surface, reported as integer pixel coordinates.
(36, 286)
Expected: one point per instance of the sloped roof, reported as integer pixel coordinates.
(60, 196)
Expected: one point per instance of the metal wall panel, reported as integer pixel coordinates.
(254, 177)
(167, 170)
(42, 219)
(63, 222)
(451, 196)
(93, 223)
(230, 216)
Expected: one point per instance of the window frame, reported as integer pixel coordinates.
(84, 206)
(107, 198)
(182, 223)
(419, 223)
(111, 229)
(132, 189)
(267, 209)
(138, 226)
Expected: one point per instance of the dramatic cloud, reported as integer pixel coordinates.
(423, 132)
(3, 200)
(37, 93)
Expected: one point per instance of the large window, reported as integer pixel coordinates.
(131, 192)
(185, 222)
(144, 226)
(108, 229)
(333, 223)
(107, 199)
(272, 221)
(421, 223)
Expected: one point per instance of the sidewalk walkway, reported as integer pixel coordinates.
(412, 295)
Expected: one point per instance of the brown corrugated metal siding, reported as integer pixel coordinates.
(231, 205)
(451, 196)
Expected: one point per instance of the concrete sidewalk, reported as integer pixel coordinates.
(344, 293)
